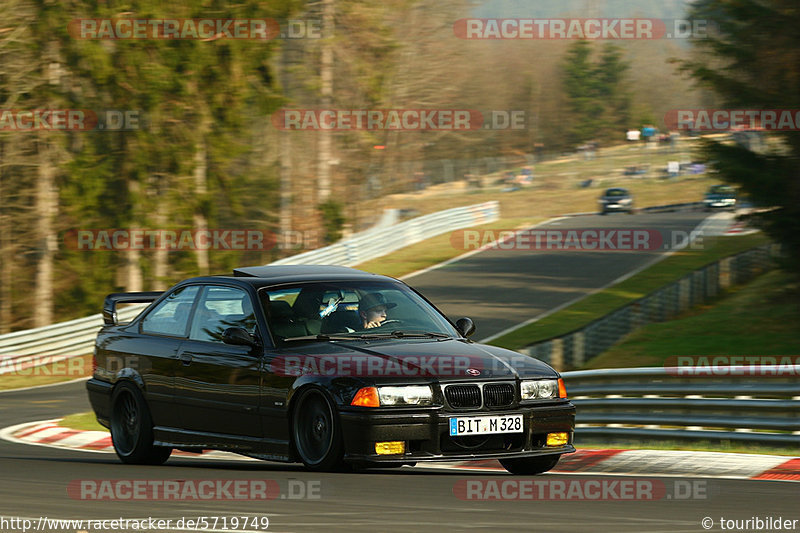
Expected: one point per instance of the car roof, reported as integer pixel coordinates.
(616, 189)
(273, 274)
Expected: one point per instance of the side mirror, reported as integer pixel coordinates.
(465, 326)
(238, 337)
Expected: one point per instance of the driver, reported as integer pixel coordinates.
(372, 309)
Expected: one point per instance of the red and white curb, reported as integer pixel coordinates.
(669, 463)
(584, 461)
(49, 433)
(739, 228)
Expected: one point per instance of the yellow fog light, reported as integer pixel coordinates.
(393, 447)
(557, 439)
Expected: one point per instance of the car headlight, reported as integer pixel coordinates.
(539, 389)
(410, 395)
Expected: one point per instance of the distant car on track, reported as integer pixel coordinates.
(328, 366)
(720, 197)
(616, 200)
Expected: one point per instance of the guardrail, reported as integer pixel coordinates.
(75, 338)
(745, 404)
(571, 350)
(377, 242)
(29, 348)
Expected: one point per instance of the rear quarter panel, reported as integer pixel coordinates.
(122, 353)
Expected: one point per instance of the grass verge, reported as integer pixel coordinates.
(433, 251)
(759, 318)
(601, 303)
(82, 421)
(46, 374)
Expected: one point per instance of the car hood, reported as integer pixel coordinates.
(411, 360)
(716, 196)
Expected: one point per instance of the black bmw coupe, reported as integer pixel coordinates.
(329, 366)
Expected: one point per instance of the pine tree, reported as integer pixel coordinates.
(598, 102)
(753, 62)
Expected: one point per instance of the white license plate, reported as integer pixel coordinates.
(485, 425)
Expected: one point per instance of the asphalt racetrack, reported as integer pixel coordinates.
(497, 289)
(500, 288)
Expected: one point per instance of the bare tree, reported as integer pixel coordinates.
(326, 98)
(46, 208)
(201, 191)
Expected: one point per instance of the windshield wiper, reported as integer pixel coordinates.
(394, 334)
(411, 334)
(321, 337)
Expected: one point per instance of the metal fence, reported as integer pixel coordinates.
(25, 349)
(744, 404)
(75, 338)
(573, 349)
(381, 241)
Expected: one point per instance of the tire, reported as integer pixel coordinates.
(317, 432)
(527, 466)
(132, 428)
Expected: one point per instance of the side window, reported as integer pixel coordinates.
(281, 308)
(221, 308)
(171, 316)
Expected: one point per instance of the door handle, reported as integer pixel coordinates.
(186, 359)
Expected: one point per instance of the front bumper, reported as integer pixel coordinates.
(426, 434)
(616, 207)
(720, 204)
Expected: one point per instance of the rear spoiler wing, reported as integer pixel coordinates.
(111, 301)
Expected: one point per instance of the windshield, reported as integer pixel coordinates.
(352, 309)
(721, 189)
(616, 192)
